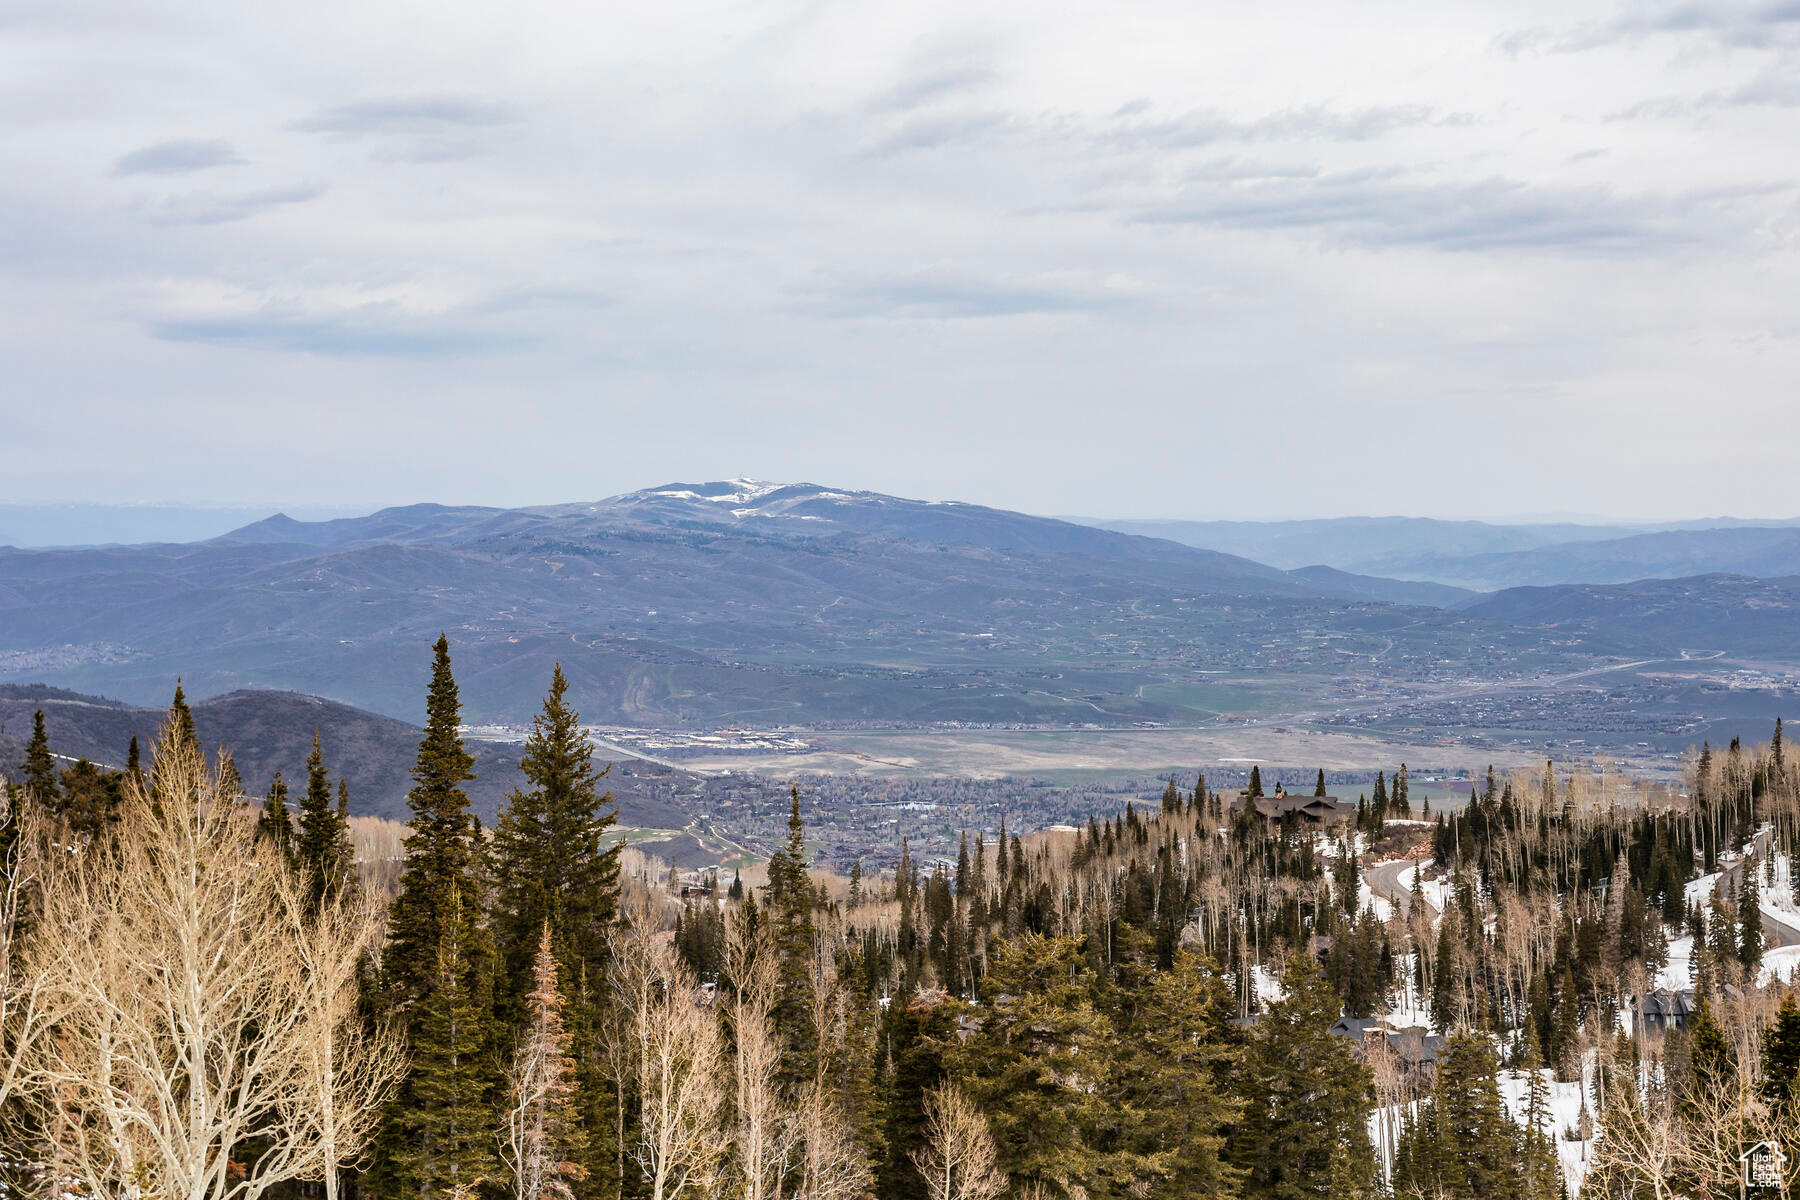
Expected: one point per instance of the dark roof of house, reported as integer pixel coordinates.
(1274, 808)
(1415, 1046)
(1666, 1003)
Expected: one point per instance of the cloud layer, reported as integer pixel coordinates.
(1147, 260)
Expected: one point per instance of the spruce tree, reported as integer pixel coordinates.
(438, 974)
(322, 848)
(1319, 787)
(183, 717)
(552, 869)
(90, 798)
(1255, 787)
(276, 823)
(1175, 1081)
(1750, 920)
(1307, 1133)
(37, 774)
(1781, 1052)
(134, 763)
(440, 866)
(1040, 1063)
(440, 1134)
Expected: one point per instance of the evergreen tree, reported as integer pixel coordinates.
(134, 766)
(322, 849)
(1781, 1051)
(183, 718)
(1175, 1089)
(438, 974)
(90, 798)
(1750, 920)
(1306, 1130)
(276, 823)
(551, 863)
(1710, 1059)
(441, 1134)
(1319, 787)
(1038, 1063)
(791, 924)
(553, 869)
(37, 774)
(1486, 1146)
(1256, 786)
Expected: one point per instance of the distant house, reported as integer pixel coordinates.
(1667, 1009)
(1316, 811)
(1415, 1047)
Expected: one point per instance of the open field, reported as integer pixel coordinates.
(1051, 754)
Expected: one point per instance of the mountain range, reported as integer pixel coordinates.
(1484, 557)
(740, 602)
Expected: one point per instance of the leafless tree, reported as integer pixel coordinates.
(540, 1116)
(24, 1012)
(682, 1144)
(764, 1133)
(957, 1159)
(1644, 1141)
(350, 1068)
(205, 1040)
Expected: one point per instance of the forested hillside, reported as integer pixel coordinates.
(1568, 979)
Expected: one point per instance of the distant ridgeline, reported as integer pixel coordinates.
(1261, 995)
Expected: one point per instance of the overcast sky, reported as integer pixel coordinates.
(1122, 259)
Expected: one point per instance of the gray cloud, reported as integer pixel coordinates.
(931, 86)
(220, 210)
(1729, 23)
(407, 115)
(944, 296)
(1375, 208)
(373, 330)
(178, 157)
(1313, 122)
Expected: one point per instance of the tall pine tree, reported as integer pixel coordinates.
(438, 972)
(322, 848)
(553, 871)
(37, 774)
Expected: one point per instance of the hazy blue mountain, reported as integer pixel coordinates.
(1768, 552)
(1359, 543)
(1485, 557)
(1332, 582)
(1701, 615)
(36, 525)
(414, 523)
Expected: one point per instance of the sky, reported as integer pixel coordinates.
(1178, 260)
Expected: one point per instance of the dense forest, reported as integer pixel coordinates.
(215, 997)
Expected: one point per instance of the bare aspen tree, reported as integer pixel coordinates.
(764, 1132)
(350, 1069)
(1644, 1140)
(24, 1013)
(957, 1159)
(832, 1163)
(205, 1045)
(541, 1125)
(681, 1144)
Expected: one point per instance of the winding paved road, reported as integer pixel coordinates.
(1392, 881)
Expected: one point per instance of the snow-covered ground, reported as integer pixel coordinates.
(1566, 1101)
